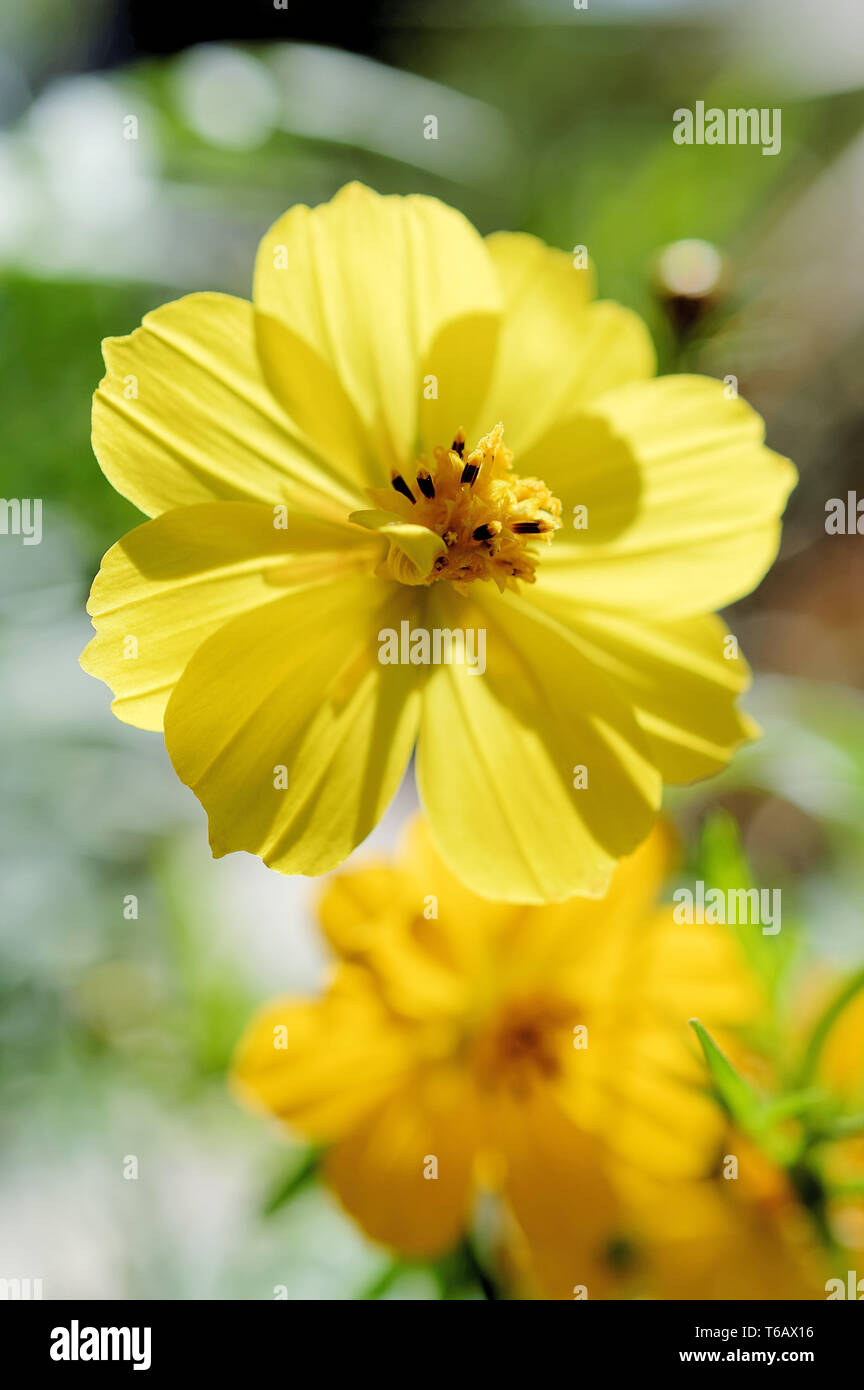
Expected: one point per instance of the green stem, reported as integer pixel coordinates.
(810, 1189)
(480, 1274)
(462, 1271)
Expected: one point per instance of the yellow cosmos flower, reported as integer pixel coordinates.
(412, 428)
(535, 1053)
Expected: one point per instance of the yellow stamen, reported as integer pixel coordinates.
(488, 517)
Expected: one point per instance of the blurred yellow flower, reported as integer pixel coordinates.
(745, 1236)
(415, 431)
(540, 1054)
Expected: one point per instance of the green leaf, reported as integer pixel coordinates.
(839, 1127)
(753, 1113)
(796, 1104)
(722, 863)
(822, 1028)
(744, 1104)
(301, 1174)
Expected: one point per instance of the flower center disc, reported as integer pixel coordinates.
(487, 516)
(525, 1044)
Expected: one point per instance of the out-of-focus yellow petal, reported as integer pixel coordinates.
(735, 1238)
(556, 349)
(697, 970)
(357, 902)
(406, 920)
(406, 1172)
(173, 582)
(643, 1092)
(424, 872)
(321, 1065)
(639, 977)
(556, 1180)
(683, 499)
(645, 979)
(288, 729)
(639, 877)
(497, 753)
(184, 415)
(636, 977)
(841, 1060)
(683, 677)
(369, 282)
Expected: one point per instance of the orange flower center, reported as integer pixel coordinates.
(489, 518)
(525, 1043)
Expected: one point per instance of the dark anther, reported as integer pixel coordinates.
(484, 532)
(529, 528)
(400, 485)
(459, 446)
(469, 473)
(425, 484)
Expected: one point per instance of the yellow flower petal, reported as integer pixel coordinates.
(646, 1095)
(683, 499)
(290, 732)
(406, 1173)
(497, 753)
(369, 282)
(556, 349)
(587, 944)
(683, 677)
(355, 904)
(635, 978)
(417, 884)
(726, 1239)
(417, 545)
(314, 399)
(406, 922)
(455, 376)
(639, 878)
(184, 415)
(173, 582)
(641, 1083)
(841, 1060)
(697, 970)
(557, 1184)
(320, 1066)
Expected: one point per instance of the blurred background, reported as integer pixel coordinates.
(115, 1028)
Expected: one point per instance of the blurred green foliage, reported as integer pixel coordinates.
(50, 336)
